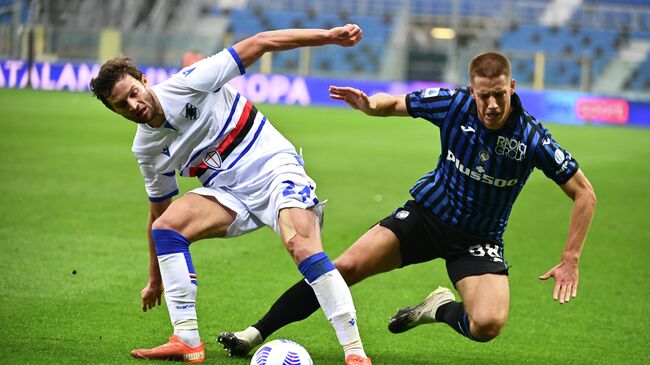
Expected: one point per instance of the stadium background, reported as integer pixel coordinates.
(73, 209)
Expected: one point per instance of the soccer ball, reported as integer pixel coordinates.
(281, 352)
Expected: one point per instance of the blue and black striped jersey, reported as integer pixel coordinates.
(480, 172)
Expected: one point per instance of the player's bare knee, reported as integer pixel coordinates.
(486, 332)
(163, 223)
(486, 328)
(348, 268)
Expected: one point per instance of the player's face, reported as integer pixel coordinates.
(492, 96)
(134, 100)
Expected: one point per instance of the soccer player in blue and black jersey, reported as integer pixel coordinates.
(459, 211)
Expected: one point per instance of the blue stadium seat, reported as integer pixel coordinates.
(244, 22)
(282, 19)
(564, 48)
(522, 70)
(618, 2)
(363, 59)
(466, 8)
(608, 17)
(640, 81)
(6, 17)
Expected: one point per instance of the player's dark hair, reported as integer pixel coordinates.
(490, 65)
(111, 72)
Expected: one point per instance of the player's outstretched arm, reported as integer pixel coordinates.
(381, 104)
(251, 49)
(151, 294)
(565, 273)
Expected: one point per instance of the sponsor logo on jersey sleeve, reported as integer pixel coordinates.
(431, 92)
(559, 156)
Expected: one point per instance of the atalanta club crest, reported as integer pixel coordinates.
(483, 157)
(190, 112)
(213, 160)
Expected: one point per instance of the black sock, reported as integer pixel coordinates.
(453, 313)
(296, 304)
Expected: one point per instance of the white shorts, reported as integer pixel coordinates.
(258, 202)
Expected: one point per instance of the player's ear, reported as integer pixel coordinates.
(144, 80)
(471, 90)
(512, 86)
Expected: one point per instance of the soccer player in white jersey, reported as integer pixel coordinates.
(195, 125)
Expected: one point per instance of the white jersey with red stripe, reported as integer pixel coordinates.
(211, 132)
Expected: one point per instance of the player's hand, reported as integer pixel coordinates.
(566, 281)
(346, 36)
(355, 98)
(151, 296)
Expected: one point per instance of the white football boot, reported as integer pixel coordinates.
(425, 312)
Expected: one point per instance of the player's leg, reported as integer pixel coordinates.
(479, 317)
(476, 267)
(300, 232)
(381, 249)
(486, 300)
(375, 252)
(196, 217)
(403, 238)
(187, 219)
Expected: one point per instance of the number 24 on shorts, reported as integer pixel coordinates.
(292, 189)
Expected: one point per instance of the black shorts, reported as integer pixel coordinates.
(423, 237)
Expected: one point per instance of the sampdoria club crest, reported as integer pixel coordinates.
(190, 112)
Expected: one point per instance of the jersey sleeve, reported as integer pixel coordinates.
(159, 186)
(556, 162)
(211, 73)
(432, 104)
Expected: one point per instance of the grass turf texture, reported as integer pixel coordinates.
(74, 256)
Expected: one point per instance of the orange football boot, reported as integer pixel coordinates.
(357, 360)
(175, 350)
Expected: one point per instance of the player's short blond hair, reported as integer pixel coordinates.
(490, 65)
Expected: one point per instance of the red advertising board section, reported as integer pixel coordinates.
(616, 111)
(548, 106)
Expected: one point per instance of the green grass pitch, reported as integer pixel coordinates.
(74, 254)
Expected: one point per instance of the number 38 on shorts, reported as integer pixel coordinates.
(492, 251)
